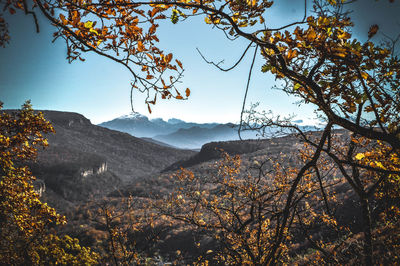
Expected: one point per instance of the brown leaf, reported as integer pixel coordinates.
(373, 30)
(179, 63)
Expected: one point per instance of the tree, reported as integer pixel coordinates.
(26, 223)
(353, 85)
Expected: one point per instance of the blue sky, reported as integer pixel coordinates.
(32, 67)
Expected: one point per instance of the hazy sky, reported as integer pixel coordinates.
(32, 67)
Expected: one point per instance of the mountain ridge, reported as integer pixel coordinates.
(175, 132)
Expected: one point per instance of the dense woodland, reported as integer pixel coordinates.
(324, 197)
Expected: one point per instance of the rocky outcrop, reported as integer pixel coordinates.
(39, 186)
(97, 170)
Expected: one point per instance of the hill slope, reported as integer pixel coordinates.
(126, 156)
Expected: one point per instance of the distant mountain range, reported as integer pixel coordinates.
(181, 134)
(175, 132)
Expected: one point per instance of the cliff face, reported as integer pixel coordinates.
(97, 170)
(39, 186)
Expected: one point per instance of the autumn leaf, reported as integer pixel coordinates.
(140, 46)
(364, 75)
(179, 63)
(63, 20)
(187, 91)
(360, 156)
(311, 35)
(373, 30)
(88, 24)
(291, 54)
(94, 31)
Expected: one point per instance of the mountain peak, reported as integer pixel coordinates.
(174, 121)
(134, 116)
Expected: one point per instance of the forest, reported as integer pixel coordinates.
(327, 196)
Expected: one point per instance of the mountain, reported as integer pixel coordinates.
(140, 126)
(175, 132)
(196, 136)
(185, 135)
(84, 160)
(127, 156)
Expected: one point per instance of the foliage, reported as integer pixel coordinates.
(25, 222)
(241, 207)
(352, 84)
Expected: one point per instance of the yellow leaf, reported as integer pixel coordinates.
(380, 165)
(344, 35)
(360, 156)
(94, 31)
(88, 24)
(297, 86)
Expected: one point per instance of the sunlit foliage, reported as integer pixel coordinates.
(26, 236)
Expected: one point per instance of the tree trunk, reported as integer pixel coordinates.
(366, 215)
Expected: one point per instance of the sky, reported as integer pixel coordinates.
(32, 67)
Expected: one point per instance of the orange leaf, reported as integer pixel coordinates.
(154, 11)
(140, 46)
(311, 35)
(179, 63)
(168, 58)
(179, 97)
(64, 21)
(152, 29)
(364, 75)
(291, 54)
(187, 91)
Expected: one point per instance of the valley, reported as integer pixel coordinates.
(88, 171)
